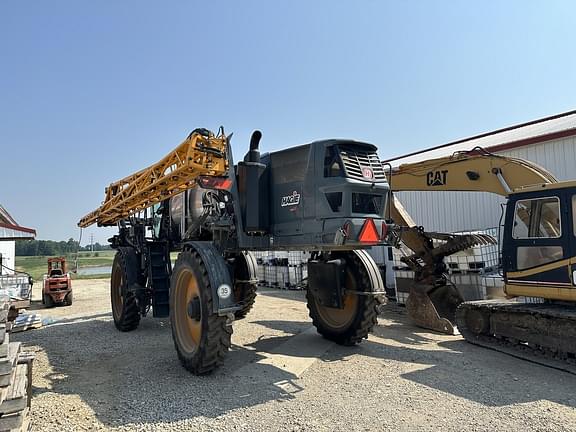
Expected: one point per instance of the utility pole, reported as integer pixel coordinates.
(92, 242)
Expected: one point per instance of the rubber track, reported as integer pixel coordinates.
(130, 318)
(506, 346)
(360, 328)
(217, 339)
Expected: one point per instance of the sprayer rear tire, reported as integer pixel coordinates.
(347, 326)
(245, 268)
(201, 343)
(125, 273)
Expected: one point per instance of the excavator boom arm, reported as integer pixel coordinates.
(202, 153)
(476, 170)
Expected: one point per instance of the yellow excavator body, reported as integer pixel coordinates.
(538, 257)
(433, 300)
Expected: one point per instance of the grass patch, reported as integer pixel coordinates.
(37, 266)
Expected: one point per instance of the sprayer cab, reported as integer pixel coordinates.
(329, 194)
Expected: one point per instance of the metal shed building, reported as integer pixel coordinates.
(549, 142)
(10, 231)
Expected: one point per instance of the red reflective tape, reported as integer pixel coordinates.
(222, 183)
(384, 230)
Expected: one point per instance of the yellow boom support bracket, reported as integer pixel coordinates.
(202, 153)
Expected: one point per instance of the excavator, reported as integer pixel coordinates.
(538, 256)
(327, 197)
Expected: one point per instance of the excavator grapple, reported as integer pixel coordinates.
(433, 299)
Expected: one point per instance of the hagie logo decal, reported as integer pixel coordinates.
(436, 178)
(367, 173)
(291, 200)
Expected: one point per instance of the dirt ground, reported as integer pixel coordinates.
(88, 376)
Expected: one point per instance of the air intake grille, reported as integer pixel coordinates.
(360, 164)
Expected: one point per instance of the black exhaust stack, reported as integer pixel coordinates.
(253, 189)
(253, 154)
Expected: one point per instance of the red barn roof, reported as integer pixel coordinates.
(10, 230)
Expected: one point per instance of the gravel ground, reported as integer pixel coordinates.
(88, 376)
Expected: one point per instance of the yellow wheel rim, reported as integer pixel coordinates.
(188, 330)
(338, 319)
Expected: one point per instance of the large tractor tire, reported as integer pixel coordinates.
(245, 282)
(348, 326)
(201, 336)
(125, 274)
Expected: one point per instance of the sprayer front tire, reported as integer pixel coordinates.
(348, 326)
(201, 337)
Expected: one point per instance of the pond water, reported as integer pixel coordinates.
(106, 269)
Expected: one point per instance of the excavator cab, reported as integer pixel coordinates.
(537, 258)
(539, 242)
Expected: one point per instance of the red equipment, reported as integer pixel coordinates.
(57, 284)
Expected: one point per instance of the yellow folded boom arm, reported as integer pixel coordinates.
(202, 153)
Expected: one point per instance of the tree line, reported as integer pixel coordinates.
(53, 248)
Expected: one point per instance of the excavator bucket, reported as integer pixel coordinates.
(433, 305)
(433, 308)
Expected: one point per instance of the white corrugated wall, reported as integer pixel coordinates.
(468, 211)
(558, 157)
(7, 250)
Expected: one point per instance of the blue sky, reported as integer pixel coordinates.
(92, 91)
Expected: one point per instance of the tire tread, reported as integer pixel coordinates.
(366, 312)
(130, 316)
(217, 339)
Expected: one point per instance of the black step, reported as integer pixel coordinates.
(159, 277)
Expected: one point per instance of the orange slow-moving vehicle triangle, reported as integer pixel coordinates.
(369, 233)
